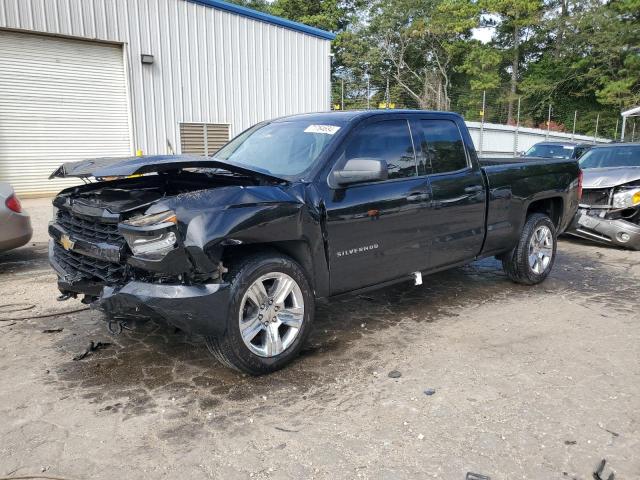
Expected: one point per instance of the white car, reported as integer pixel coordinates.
(15, 225)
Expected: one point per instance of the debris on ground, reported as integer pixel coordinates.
(35, 317)
(365, 297)
(598, 475)
(53, 330)
(91, 348)
(476, 476)
(615, 434)
(394, 374)
(429, 391)
(286, 430)
(16, 307)
(570, 442)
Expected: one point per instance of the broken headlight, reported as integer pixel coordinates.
(151, 236)
(626, 198)
(154, 219)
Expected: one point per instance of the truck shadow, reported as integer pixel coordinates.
(156, 369)
(33, 256)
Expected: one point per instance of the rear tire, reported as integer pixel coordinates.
(270, 315)
(532, 259)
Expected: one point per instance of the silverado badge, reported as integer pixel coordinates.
(66, 242)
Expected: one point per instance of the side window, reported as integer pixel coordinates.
(389, 140)
(442, 146)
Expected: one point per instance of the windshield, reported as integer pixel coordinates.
(283, 149)
(606, 157)
(550, 151)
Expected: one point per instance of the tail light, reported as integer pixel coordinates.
(13, 204)
(580, 175)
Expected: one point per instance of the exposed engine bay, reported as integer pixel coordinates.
(110, 232)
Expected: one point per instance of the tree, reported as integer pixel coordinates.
(332, 15)
(579, 55)
(514, 20)
(261, 5)
(419, 42)
(594, 69)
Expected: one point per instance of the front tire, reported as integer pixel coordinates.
(532, 259)
(270, 316)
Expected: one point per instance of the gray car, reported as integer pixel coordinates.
(557, 150)
(15, 225)
(610, 206)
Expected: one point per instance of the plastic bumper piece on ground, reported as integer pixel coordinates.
(196, 309)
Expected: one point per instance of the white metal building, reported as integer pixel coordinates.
(634, 112)
(90, 78)
(507, 140)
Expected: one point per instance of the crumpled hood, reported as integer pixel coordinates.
(609, 177)
(123, 167)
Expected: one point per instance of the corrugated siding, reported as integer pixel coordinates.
(60, 100)
(211, 66)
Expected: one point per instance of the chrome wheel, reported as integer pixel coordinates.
(540, 249)
(271, 314)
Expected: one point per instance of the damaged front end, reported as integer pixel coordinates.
(130, 263)
(143, 247)
(610, 215)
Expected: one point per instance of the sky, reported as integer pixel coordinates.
(483, 34)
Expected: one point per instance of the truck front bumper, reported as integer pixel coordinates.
(197, 309)
(612, 232)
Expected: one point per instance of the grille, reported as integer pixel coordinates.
(88, 268)
(598, 197)
(82, 267)
(90, 230)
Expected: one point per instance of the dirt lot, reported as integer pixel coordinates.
(536, 383)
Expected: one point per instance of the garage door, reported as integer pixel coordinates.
(60, 100)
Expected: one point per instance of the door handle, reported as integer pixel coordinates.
(417, 197)
(473, 189)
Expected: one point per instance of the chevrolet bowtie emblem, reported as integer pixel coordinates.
(66, 242)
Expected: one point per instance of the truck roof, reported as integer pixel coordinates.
(617, 144)
(350, 115)
(568, 144)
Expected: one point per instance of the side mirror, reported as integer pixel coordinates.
(359, 170)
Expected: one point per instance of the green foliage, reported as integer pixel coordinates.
(481, 66)
(577, 55)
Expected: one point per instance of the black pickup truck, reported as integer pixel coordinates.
(237, 247)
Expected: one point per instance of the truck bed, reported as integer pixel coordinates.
(515, 183)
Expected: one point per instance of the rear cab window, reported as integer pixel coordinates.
(441, 147)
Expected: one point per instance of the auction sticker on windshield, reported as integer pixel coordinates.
(326, 129)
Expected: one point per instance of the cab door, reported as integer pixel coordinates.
(457, 215)
(378, 231)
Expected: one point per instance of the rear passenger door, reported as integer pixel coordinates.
(458, 191)
(378, 231)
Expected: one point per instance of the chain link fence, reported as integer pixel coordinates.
(363, 93)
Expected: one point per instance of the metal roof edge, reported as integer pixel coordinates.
(267, 18)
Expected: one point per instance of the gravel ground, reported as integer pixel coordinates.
(530, 382)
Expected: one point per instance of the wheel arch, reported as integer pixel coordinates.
(550, 206)
(297, 250)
